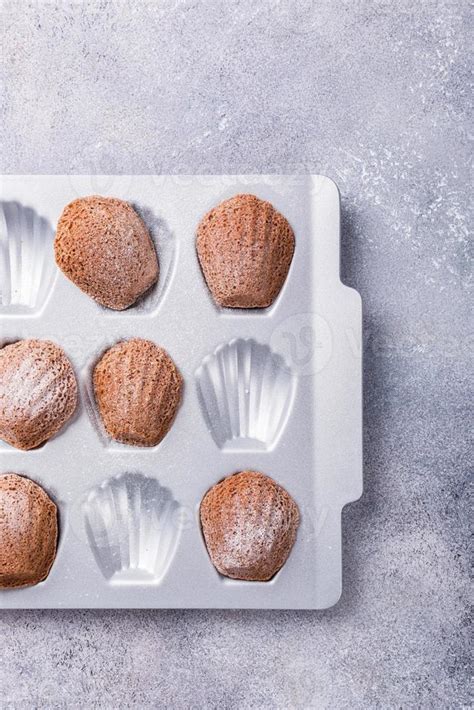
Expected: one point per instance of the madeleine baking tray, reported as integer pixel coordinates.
(129, 524)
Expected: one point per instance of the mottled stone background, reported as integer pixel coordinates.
(374, 94)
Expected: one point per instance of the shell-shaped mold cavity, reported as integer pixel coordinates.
(27, 267)
(245, 391)
(133, 527)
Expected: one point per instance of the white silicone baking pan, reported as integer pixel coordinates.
(129, 525)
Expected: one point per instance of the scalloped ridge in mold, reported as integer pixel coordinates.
(245, 391)
(27, 267)
(133, 528)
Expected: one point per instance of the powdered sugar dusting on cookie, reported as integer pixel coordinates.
(38, 392)
(249, 524)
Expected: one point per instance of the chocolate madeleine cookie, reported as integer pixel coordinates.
(104, 247)
(137, 388)
(245, 248)
(249, 524)
(28, 532)
(38, 392)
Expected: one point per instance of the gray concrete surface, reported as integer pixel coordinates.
(375, 95)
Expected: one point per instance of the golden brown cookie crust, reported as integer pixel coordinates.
(38, 392)
(249, 523)
(28, 532)
(137, 388)
(104, 247)
(245, 248)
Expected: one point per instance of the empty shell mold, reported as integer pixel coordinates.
(133, 528)
(245, 391)
(27, 267)
(274, 389)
